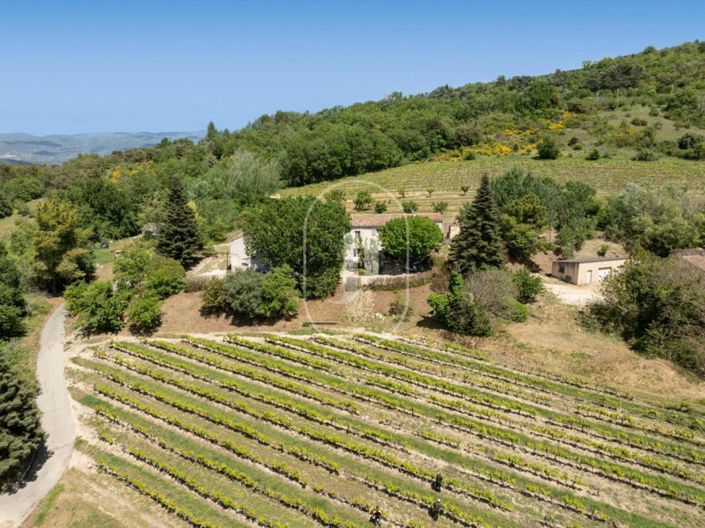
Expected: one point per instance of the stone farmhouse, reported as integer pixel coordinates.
(362, 244)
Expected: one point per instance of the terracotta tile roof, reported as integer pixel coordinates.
(378, 220)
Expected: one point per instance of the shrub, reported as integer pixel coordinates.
(464, 189)
(493, 289)
(167, 277)
(380, 207)
(517, 312)
(253, 295)
(399, 307)
(97, 307)
(593, 155)
(5, 207)
(363, 200)
(604, 248)
(528, 286)
(244, 292)
(11, 321)
(458, 311)
(573, 141)
(141, 268)
(335, 196)
(439, 207)
(547, 149)
(470, 155)
(658, 306)
(466, 316)
(279, 296)
(409, 206)
(638, 121)
(145, 314)
(690, 140)
(644, 155)
(214, 298)
(697, 153)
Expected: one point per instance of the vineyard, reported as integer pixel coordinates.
(445, 178)
(280, 431)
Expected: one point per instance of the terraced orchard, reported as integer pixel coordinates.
(289, 431)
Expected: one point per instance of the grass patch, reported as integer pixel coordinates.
(48, 504)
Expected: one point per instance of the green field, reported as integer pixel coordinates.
(445, 178)
(298, 432)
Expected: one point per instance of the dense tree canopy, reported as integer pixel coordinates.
(303, 233)
(62, 246)
(658, 305)
(20, 429)
(530, 204)
(659, 221)
(412, 237)
(12, 304)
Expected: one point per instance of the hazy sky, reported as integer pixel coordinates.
(105, 65)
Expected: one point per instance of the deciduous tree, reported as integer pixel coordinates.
(62, 247)
(413, 236)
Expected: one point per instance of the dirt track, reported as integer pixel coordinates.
(58, 421)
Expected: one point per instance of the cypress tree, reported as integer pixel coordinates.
(178, 235)
(478, 245)
(20, 428)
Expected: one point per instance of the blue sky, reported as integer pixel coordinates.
(105, 65)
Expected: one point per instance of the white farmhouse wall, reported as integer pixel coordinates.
(237, 255)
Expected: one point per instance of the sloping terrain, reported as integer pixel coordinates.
(282, 431)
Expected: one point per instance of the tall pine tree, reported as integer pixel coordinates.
(478, 245)
(20, 428)
(178, 235)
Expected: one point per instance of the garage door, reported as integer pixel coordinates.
(603, 272)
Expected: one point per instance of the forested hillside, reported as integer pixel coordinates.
(639, 107)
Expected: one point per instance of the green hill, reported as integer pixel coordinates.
(642, 116)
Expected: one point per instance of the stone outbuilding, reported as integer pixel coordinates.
(583, 271)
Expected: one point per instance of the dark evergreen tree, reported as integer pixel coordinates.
(478, 245)
(5, 206)
(20, 428)
(178, 235)
(12, 304)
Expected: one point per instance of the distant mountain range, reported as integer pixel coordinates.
(27, 148)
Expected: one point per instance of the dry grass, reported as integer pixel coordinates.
(551, 340)
(87, 499)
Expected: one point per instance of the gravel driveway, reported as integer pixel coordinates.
(572, 294)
